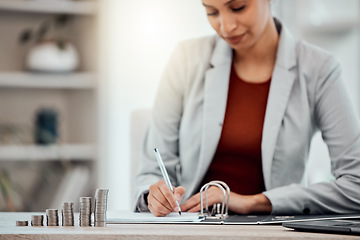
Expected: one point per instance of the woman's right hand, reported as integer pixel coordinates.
(161, 201)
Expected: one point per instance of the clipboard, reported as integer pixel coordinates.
(218, 215)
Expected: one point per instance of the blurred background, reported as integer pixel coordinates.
(75, 74)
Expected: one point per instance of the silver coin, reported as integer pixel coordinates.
(22, 223)
(100, 224)
(100, 207)
(85, 199)
(52, 217)
(37, 220)
(68, 219)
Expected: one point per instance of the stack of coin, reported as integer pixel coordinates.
(52, 217)
(68, 214)
(22, 223)
(37, 220)
(85, 212)
(100, 207)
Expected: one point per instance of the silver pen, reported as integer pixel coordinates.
(164, 173)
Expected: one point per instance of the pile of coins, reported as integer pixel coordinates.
(68, 214)
(100, 207)
(37, 220)
(22, 223)
(85, 212)
(52, 217)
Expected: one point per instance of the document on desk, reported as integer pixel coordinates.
(193, 218)
(147, 217)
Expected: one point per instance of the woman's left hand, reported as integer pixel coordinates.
(242, 204)
(214, 195)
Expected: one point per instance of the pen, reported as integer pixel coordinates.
(164, 173)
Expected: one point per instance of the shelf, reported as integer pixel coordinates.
(45, 153)
(82, 80)
(55, 6)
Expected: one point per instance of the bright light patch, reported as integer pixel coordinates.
(151, 26)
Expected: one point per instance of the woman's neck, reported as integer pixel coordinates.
(256, 64)
(264, 49)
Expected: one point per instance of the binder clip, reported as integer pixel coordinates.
(219, 211)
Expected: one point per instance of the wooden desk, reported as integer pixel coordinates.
(9, 231)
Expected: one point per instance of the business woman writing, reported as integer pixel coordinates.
(242, 107)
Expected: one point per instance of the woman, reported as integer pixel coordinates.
(242, 107)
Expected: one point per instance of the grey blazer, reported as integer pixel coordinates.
(306, 94)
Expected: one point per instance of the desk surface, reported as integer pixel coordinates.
(9, 231)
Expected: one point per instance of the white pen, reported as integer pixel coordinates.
(164, 173)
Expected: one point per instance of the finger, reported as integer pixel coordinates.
(179, 193)
(169, 196)
(191, 202)
(211, 200)
(196, 204)
(158, 207)
(155, 195)
(196, 208)
(159, 201)
(155, 212)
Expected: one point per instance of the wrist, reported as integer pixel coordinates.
(245, 204)
(260, 203)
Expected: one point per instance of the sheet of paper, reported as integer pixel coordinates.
(134, 217)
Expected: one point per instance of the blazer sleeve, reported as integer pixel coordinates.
(339, 126)
(163, 131)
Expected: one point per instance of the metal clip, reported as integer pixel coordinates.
(225, 203)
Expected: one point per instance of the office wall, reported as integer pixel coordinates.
(138, 37)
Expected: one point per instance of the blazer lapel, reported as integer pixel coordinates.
(215, 99)
(281, 85)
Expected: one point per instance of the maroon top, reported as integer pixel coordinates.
(237, 160)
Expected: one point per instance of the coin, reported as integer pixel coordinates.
(67, 214)
(100, 207)
(37, 220)
(22, 223)
(85, 212)
(52, 217)
(100, 224)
